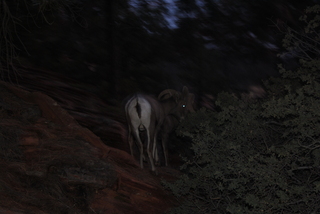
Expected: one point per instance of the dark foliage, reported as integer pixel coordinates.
(259, 156)
(124, 46)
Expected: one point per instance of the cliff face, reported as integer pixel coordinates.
(51, 164)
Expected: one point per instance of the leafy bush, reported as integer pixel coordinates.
(259, 156)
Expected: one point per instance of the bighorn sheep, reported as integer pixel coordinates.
(145, 113)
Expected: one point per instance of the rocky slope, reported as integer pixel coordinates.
(51, 164)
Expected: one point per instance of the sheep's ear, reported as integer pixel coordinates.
(191, 102)
(191, 97)
(185, 91)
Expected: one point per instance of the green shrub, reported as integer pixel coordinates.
(260, 156)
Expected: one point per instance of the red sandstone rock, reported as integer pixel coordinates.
(63, 164)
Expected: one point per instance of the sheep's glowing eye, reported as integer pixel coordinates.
(183, 106)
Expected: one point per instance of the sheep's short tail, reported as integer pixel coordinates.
(141, 128)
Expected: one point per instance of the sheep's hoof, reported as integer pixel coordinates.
(155, 172)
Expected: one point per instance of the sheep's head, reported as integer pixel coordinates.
(180, 103)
